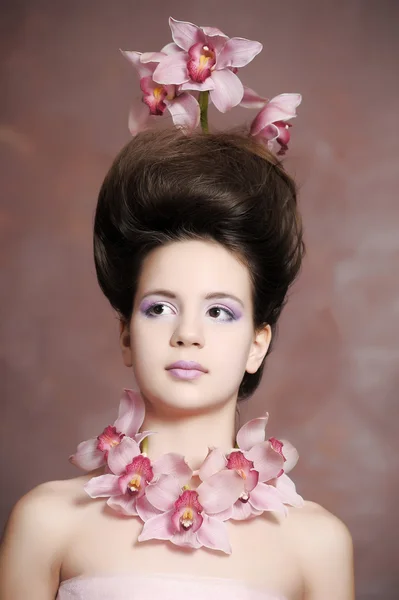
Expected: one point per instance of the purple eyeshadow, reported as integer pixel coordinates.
(147, 303)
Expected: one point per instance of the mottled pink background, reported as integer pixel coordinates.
(331, 384)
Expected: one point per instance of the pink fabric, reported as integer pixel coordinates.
(163, 586)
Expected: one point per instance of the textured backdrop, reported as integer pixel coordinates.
(331, 383)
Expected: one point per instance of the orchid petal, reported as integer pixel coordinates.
(139, 437)
(213, 534)
(283, 135)
(266, 497)
(131, 413)
(280, 108)
(287, 102)
(159, 527)
(269, 133)
(148, 57)
(252, 433)
(123, 504)
(171, 48)
(213, 463)
(87, 456)
(287, 491)
(237, 52)
(220, 491)
(185, 34)
(164, 492)
(173, 464)
(216, 40)
(139, 117)
(214, 31)
(251, 99)
(265, 118)
(228, 90)
(135, 58)
(172, 69)
(291, 456)
(267, 461)
(243, 510)
(185, 111)
(145, 509)
(223, 515)
(186, 539)
(251, 480)
(102, 486)
(205, 86)
(121, 455)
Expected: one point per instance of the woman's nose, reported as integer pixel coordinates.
(187, 333)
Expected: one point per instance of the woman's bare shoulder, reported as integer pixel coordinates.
(325, 550)
(313, 515)
(35, 537)
(314, 519)
(48, 507)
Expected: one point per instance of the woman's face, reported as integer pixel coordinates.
(175, 319)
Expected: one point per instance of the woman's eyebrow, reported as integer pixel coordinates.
(211, 296)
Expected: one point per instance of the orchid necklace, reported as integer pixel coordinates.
(243, 484)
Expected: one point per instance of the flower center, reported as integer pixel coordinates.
(134, 484)
(140, 473)
(109, 438)
(244, 497)
(240, 464)
(207, 55)
(186, 519)
(187, 513)
(159, 92)
(275, 443)
(202, 62)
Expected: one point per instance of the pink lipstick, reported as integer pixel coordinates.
(183, 369)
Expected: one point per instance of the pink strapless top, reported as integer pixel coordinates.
(160, 585)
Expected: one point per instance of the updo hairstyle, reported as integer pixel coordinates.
(166, 186)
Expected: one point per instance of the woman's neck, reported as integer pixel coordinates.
(191, 435)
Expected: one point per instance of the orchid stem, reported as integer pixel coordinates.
(203, 102)
(144, 446)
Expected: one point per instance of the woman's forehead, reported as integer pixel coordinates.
(197, 265)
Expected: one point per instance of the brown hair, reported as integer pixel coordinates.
(167, 186)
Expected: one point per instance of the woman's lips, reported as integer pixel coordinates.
(186, 373)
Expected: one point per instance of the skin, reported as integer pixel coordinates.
(56, 532)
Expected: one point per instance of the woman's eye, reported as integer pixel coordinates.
(156, 310)
(218, 313)
(217, 310)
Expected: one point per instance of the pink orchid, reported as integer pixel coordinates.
(270, 125)
(284, 486)
(251, 438)
(252, 496)
(208, 62)
(131, 473)
(92, 454)
(261, 466)
(183, 517)
(158, 98)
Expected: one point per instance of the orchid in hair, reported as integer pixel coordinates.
(200, 68)
(270, 124)
(92, 454)
(158, 98)
(206, 62)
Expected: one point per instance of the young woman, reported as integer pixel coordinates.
(197, 239)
